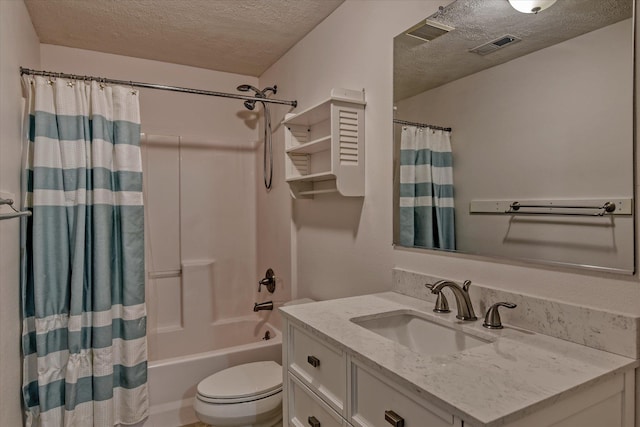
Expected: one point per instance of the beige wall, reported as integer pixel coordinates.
(19, 46)
(343, 246)
(571, 139)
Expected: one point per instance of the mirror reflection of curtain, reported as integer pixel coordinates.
(426, 189)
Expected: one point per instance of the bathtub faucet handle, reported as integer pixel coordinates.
(269, 281)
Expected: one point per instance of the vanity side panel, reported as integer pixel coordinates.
(630, 396)
(285, 372)
(600, 405)
(636, 399)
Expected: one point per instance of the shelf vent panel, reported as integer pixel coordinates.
(300, 135)
(299, 164)
(348, 137)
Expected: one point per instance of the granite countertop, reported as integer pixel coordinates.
(518, 373)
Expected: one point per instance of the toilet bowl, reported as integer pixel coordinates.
(248, 395)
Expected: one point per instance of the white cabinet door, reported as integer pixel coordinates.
(319, 366)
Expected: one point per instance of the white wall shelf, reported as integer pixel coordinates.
(315, 146)
(313, 177)
(324, 146)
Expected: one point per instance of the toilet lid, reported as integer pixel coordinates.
(243, 381)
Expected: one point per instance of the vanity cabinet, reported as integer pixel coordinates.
(325, 386)
(324, 147)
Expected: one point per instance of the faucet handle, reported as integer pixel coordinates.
(492, 319)
(442, 305)
(269, 281)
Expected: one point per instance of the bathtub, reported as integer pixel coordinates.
(173, 381)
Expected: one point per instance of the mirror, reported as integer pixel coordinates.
(540, 107)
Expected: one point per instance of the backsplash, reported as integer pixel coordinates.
(613, 332)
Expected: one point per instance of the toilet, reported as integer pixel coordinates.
(248, 395)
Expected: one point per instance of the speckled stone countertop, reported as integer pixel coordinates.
(519, 372)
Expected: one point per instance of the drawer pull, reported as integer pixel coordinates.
(313, 422)
(313, 361)
(394, 419)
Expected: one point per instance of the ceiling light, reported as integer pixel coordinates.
(531, 6)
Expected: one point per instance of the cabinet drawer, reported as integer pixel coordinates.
(319, 366)
(308, 410)
(375, 399)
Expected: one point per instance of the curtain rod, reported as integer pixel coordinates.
(30, 72)
(421, 125)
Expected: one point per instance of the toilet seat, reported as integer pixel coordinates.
(219, 401)
(242, 383)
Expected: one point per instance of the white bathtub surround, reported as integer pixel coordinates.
(173, 381)
(524, 371)
(615, 332)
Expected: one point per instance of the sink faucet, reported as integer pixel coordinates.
(267, 305)
(465, 308)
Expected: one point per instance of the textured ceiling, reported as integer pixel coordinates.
(420, 66)
(237, 36)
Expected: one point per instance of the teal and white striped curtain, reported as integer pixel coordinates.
(83, 307)
(426, 189)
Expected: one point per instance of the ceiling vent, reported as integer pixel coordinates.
(428, 30)
(494, 45)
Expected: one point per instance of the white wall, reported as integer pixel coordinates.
(343, 246)
(19, 46)
(571, 139)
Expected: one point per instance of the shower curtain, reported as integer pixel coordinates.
(426, 189)
(83, 308)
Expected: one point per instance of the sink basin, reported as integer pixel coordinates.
(419, 334)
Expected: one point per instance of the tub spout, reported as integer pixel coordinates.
(267, 305)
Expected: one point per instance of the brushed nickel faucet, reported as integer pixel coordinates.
(463, 302)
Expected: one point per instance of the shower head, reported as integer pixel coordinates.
(248, 104)
(251, 104)
(247, 88)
